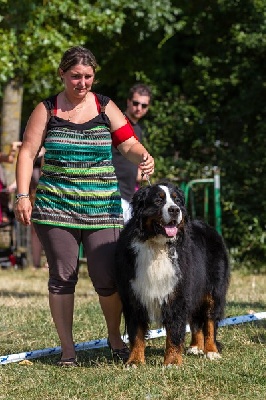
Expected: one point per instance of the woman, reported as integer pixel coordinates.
(77, 199)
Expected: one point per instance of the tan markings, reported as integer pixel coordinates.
(173, 354)
(209, 301)
(137, 350)
(197, 340)
(210, 345)
(148, 224)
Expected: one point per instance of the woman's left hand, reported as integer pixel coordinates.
(22, 210)
(147, 164)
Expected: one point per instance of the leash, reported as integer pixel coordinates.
(144, 174)
(147, 178)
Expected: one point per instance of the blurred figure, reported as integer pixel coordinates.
(10, 157)
(4, 189)
(36, 247)
(128, 174)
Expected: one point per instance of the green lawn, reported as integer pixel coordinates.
(26, 325)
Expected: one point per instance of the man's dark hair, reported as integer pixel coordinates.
(141, 89)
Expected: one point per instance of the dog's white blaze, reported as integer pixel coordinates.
(155, 279)
(169, 203)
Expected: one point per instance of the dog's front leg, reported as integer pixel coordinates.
(173, 353)
(137, 348)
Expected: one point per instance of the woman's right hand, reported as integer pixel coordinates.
(22, 210)
(147, 164)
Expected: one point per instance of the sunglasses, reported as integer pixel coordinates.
(136, 103)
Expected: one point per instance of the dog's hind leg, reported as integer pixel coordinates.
(203, 330)
(196, 346)
(196, 323)
(137, 347)
(210, 348)
(210, 330)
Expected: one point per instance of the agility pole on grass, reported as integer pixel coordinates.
(99, 343)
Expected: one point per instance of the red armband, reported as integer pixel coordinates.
(122, 134)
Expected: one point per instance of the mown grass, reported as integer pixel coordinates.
(26, 325)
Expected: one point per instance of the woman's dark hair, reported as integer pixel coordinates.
(77, 55)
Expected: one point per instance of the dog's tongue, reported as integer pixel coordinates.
(170, 230)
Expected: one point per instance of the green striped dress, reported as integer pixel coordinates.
(78, 187)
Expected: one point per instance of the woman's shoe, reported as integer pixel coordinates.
(119, 354)
(67, 362)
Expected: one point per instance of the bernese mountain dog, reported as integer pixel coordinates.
(172, 271)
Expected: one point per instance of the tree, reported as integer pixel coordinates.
(223, 84)
(205, 63)
(10, 127)
(36, 33)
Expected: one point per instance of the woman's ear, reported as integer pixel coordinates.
(61, 74)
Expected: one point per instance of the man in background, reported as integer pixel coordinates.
(138, 101)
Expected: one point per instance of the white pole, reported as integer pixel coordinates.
(95, 344)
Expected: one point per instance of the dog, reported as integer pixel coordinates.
(170, 270)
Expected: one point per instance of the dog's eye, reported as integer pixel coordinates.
(175, 197)
(160, 199)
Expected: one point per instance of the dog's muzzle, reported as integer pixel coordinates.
(171, 219)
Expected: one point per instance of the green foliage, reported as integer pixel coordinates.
(205, 61)
(41, 30)
(223, 87)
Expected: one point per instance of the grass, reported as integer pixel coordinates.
(26, 325)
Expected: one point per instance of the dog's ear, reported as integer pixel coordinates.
(138, 200)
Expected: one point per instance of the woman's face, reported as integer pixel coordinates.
(78, 80)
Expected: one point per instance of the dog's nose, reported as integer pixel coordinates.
(173, 211)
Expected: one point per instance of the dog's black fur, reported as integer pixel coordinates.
(171, 270)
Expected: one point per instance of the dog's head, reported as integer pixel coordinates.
(159, 209)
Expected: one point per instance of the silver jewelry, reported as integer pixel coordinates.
(76, 109)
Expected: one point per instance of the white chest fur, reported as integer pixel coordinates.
(156, 276)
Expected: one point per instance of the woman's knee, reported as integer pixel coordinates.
(58, 286)
(100, 248)
(105, 292)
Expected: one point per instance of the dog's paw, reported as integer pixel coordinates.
(211, 355)
(131, 366)
(168, 366)
(194, 351)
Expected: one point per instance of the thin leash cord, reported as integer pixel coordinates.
(147, 177)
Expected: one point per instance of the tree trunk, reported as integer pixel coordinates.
(11, 119)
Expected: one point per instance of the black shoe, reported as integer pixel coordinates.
(119, 354)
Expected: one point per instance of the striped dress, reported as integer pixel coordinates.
(78, 187)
